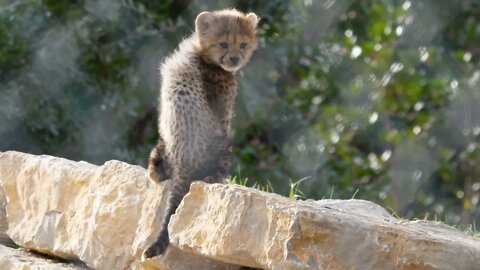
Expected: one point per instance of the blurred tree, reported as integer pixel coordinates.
(374, 99)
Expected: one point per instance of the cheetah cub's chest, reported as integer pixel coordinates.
(220, 89)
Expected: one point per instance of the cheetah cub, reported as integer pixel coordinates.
(196, 107)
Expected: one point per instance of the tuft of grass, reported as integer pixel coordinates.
(267, 188)
(237, 180)
(394, 213)
(331, 193)
(295, 188)
(355, 194)
(244, 182)
(472, 230)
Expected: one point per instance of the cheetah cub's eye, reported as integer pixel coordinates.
(223, 45)
(243, 45)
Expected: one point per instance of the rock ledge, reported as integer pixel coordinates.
(106, 215)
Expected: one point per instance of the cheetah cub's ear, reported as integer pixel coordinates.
(203, 22)
(253, 19)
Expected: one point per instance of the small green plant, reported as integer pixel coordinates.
(331, 193)
(472, 230)
(295, 188)
(237, 180)
(267, 188)
(355, 194)
(394, 213)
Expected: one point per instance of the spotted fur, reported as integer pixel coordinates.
(196, 107)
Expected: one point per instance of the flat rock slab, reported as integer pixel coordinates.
(249, 227)
(16, 259)
(104, 215)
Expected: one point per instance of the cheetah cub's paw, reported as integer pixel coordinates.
(153, 251)
(149, 253)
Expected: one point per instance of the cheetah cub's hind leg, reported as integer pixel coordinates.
(220, 170)
(158, 168)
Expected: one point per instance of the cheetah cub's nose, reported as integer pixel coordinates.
(234, 60)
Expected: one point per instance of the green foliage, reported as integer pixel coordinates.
(238, 180)
(473, 231)
(371, 99)
(295, 188)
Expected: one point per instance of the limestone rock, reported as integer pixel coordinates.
(249, 227)
(4, 238)
(15, 259)
(3, 214)
(104, 216)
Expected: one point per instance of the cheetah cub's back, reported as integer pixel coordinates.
(196, 106)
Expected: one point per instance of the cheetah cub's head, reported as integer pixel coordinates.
(227, 37)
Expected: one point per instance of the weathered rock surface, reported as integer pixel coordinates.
(3, 218)
(249, 227)
(16, 259)
(104, 216)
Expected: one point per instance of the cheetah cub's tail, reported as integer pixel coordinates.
(158, 169)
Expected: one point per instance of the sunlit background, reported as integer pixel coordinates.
(371, 99)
